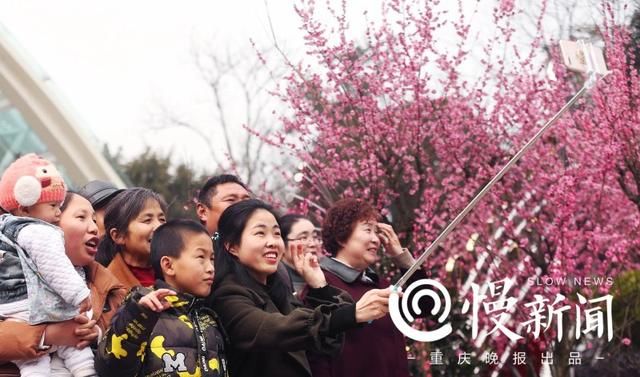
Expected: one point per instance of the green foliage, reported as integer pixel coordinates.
(622, 353)
(626, 304)
(178, 185)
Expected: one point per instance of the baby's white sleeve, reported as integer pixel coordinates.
(45, 246)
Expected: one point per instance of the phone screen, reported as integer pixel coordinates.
(574, 57)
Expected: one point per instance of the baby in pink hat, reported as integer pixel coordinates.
(38, 283)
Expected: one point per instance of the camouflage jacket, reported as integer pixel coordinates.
(184, 340)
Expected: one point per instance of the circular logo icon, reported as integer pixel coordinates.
(399, 309)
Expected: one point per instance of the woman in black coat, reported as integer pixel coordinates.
(268, 329)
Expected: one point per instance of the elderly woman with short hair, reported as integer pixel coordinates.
(352, 235)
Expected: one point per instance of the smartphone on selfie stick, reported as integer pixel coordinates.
(583, 57)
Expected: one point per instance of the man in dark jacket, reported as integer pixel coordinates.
(169, 331)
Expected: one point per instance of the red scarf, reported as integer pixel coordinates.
(145, 275)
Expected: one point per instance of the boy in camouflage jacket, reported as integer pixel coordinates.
(168, 331)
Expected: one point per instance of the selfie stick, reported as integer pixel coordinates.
(589, 83)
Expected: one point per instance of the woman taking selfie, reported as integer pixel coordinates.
(353, 236)
(269, 330)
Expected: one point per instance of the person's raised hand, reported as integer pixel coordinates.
(389, 240)
(307, 266)
(155, 300)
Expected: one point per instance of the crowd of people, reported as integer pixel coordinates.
(100, 282)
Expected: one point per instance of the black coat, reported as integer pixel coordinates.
(266, 341)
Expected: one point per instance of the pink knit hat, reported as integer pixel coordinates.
(30, 180)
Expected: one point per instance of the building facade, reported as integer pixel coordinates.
(34, 118)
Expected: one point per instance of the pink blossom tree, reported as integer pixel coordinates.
(419, 115)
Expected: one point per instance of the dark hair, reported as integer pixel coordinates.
(169, 239)
(230, 228)
(287, 222)
(209, 189)
(67, 198)
(120, 212)
(341, 220)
